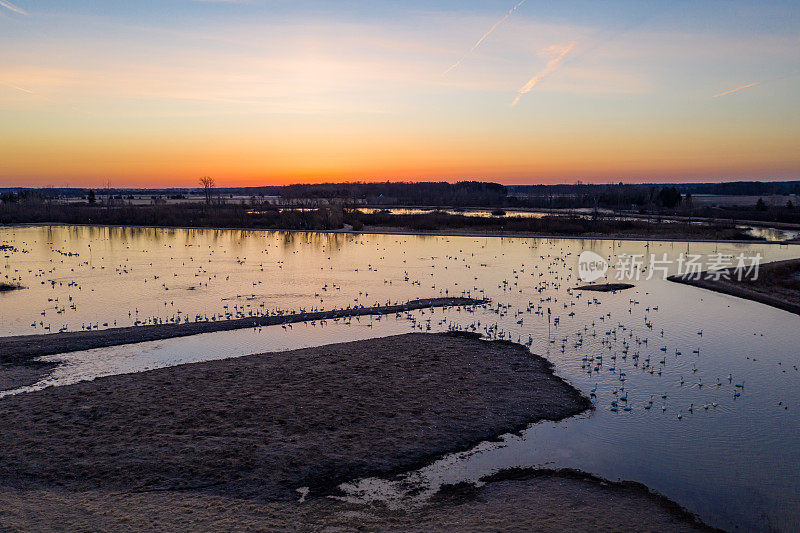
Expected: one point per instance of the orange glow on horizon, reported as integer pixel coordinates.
(267, 159)
(86, 100)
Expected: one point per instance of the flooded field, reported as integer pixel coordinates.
(758, 232)
(696, 393)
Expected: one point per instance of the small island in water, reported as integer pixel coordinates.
(605, 287)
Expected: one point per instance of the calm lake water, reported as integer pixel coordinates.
(734, 463)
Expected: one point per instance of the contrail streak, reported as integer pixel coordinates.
(12, 7)
(737, 89)
(552, 65)
(17, 87)
(485, 35)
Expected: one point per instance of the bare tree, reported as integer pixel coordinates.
(108, 194)
(207, 182)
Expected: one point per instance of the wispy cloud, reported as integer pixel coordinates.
(552, 66)
(737, 89)
(483, 37)
(11, 7)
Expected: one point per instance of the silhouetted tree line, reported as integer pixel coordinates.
(620, 196)
(25, 195)
(668, 197)
(484, 194)
(645, 199)
(747, 188)
(465, 193)
(460, 194)
(734, 188)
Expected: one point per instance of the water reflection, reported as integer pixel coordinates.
(734, 462)
(772, 234)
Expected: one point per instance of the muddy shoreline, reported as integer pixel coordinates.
(225, 444)
(13, 376)
(541, 500)
(775, 286)
(260, 427)
(624, 488)
(22, 348)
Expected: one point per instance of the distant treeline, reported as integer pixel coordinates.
(590, 196)
(460, 194)
(747, 188)
(733, 188)
(442, 192)
(642, 198)
(464, 193)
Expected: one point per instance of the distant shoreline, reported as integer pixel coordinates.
(770, 289)
(566, 211)
(416, 233)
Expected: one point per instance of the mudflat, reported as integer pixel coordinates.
(225, 445)
(259, 427)
(605, 287)
(777, 284)
(5, 287)
(535, 501)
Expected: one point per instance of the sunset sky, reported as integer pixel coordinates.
(159, 92)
